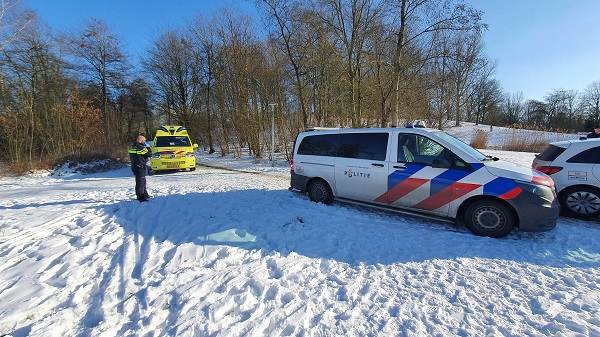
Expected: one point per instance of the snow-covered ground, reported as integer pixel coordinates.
(232, 253)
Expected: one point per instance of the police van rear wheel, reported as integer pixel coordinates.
(319, 191)
(489, 218)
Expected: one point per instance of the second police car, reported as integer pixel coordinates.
(426, 171)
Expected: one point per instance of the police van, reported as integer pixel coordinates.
(172, 149)
(424, 171)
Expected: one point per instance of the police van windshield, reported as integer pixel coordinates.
(457, 143)
(172, 141)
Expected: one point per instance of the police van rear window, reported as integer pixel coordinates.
(319, 145)
(372, 146)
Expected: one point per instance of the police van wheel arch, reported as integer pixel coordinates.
(320, 191)
(488, 217)
(580, 201)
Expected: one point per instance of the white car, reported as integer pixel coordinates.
(574, 165)
(426, 171)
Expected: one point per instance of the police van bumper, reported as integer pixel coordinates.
(298, 182)
(536, 214)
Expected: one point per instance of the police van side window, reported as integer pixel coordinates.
(407, 148)
(418, 149)
(422, 150)
(319, 145)
(371, 146)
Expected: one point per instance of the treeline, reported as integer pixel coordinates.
(232, 79)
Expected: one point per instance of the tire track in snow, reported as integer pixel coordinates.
(267, 174)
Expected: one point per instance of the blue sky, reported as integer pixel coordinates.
(543, 45)
(539, 45)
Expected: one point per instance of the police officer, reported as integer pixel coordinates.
(139, 154)
(596, 133)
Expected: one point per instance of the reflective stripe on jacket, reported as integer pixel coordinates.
(138, 154)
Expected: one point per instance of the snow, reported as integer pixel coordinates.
(233, 253)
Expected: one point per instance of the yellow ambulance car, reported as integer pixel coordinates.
(172, 149)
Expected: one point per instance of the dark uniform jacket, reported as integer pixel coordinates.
(139, 154)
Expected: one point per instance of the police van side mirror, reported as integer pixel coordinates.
(440, 163)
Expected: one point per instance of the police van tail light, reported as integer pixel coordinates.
(292, 164)
(549, 170)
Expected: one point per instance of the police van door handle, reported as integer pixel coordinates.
(400, 167)
(377, 164)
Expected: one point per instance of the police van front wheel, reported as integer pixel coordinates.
(489, 218)
(319, 191)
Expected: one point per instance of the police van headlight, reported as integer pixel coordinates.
(189, 154)
(156, 155)
(542, 191)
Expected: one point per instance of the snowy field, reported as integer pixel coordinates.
(231, 253)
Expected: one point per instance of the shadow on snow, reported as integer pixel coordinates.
(284, 222)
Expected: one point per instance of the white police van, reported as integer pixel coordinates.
(425, 171)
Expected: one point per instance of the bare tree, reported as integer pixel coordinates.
(536, 113)
(135, 110)
(487, 101)
(465, 61)
(591, 102)
(562, 110)
(206, 48)
(13, 20)
(353, 23)
(418, 21)
(514, 107)
(379, 57)
(100, 58)
(241, 65)
(294, 38)
(482, 94)
(173, 69)
(42, 115)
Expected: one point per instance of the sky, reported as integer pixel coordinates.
(230, 253)
(539, 45)
(543, 45)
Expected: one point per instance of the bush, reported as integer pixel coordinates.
(85, 163)
(91, 162)
(480, 139)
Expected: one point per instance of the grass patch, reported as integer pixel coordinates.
(529, 141)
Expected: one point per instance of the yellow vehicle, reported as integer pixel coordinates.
(172, 149)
